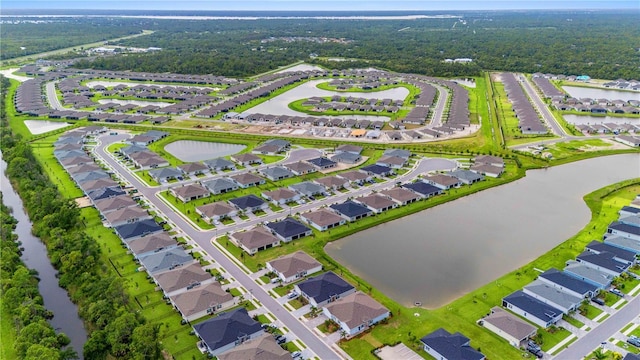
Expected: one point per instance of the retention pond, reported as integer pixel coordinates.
(442, 253)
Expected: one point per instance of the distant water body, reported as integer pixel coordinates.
(239, 15)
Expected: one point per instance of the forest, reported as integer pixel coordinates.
(115, 329)
(601, 45)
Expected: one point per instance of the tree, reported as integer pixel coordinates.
(39, 352)
(144, 342)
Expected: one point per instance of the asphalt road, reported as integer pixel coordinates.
(203, 239)
(539, 104)
(585, 345)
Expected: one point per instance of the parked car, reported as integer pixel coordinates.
(598, 301)
(282, 340)
(634, 340)
(296, 354)
(535, 349)
(616, 292)
(292, 295)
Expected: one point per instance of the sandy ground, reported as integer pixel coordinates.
(9, 73)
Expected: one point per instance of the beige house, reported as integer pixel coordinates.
(202, 300)
(356, 313)
(294, 266)
(509, 327)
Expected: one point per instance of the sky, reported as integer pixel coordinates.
(314, 5)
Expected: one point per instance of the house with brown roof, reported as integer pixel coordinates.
(216, 211)
(301, 168)
(394, 162)
(400, 195)
(114, 203)
(294, 266)
(487, 170)
(193, 169)
(441, 181)
(261, 348)
(189, 192)
(489, 160)
(323, 219)
(356, 313)
(254, 240)
(246, 180)
(509, 327)
(281, 196)
(180, 278)
(332, 182)
(126, 215)
(246, 159)
(377, 203)
(202, 300)
(147, 160)
(154, 242)
(356, 177)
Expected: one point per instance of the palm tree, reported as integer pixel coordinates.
(599, 355)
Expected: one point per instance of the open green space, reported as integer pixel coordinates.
(7, 334)
(573, 321)
(567, 149)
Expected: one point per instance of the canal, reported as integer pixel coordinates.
(65, 313)
(442, 253)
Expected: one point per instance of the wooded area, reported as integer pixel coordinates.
(601, 45)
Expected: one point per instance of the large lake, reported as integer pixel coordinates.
(583, 92)
(190, 150)
(444, 252)
(279, 105)
(592, 120)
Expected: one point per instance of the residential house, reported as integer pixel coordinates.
(394, 162)
(466, 177)
(294, 266)
(221, 185)
(300, 168)
(356, 177)
(553, 296)
(487, 170)
(629, 211)
(346, 158)
(138, 229)
(246, 180)
(623, 243)
(263, 347)
(145, 160)
(216, 211)
(532, 309)
(378, 170)
(356, 313)
(323, 219)
(621, 229)
(114, 203)
(323, 289)
(588, 274)
(254, 240)
(509, 327)
(400, 195)
(165, 260)
(624, 256)
(568, 284)
(272, 147)
(322, 163)
(377, 203)
(443, 345)
(289, 229)
(92, 185)
(277, 173)
(90, 176)
(443, 182)
(188, 276)
(308, 189)
(220, 164)
(193, 169)
(423, 189)
(201, 301)
(332, 182)
(604, 262)
(633, 141)
(352, 211)
(189, 192)
(246, 159)
(353, 149)
(405, 154)
(281, 196)
(249, 203)
(489, 160)
(126, 216)
(227, 331)
(154, 242)
(165, 174)
(105, 193)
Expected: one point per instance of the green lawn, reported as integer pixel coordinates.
(590, 311)
(43, 150)
(7, 334)
(571, 148)
(552, 337)
(573, 321)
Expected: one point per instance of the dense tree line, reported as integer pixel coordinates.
(115, 329)
(601, 45)
(35, 338)
(35, 35)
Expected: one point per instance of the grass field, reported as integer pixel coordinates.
(7, 334)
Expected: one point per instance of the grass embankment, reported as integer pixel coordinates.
(7, 334)
(326, 86)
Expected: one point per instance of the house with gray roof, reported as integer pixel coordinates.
(294, 266)
(443, 345)
(165, 174)
(277, 173)
(281, 196)
(466, 177)
(138, 229)
(400, 195)
(131, 149)
(604, 261)
(629, 211)
(624, 256)
(189, 192)
(188, 276)
(91, 185)
(378, 170)
(61, 155)
(227, 331)
(201, 301)
(394, 162)
(75, 161)
(322, 163)
(289, 229)
(354, 149)
(377, 203)
(254, 240)
(127, 215)
(586, 273)
(623, 243)
(509, 327)
(147, 160)
(487, 170)
(356, 313)
(246, 159)
(532, 309)
(152, 243)
(568, 284)
(249, 203)
(263, 347)
(220, 185)
(90, 176)
(489, 160)
(332, 182)
(308, 188)
(216, 211)
(220, 164)
(272, 147)
(246, 180)
(621, 229)
(356, 177)
(166, 260)
(114, 203)
(553, 296)
(405, 154)
(300, 168)
(105, 193)
(351, 210)
(83, 168)
(324, 289)
(346, 158)
(193, 169)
